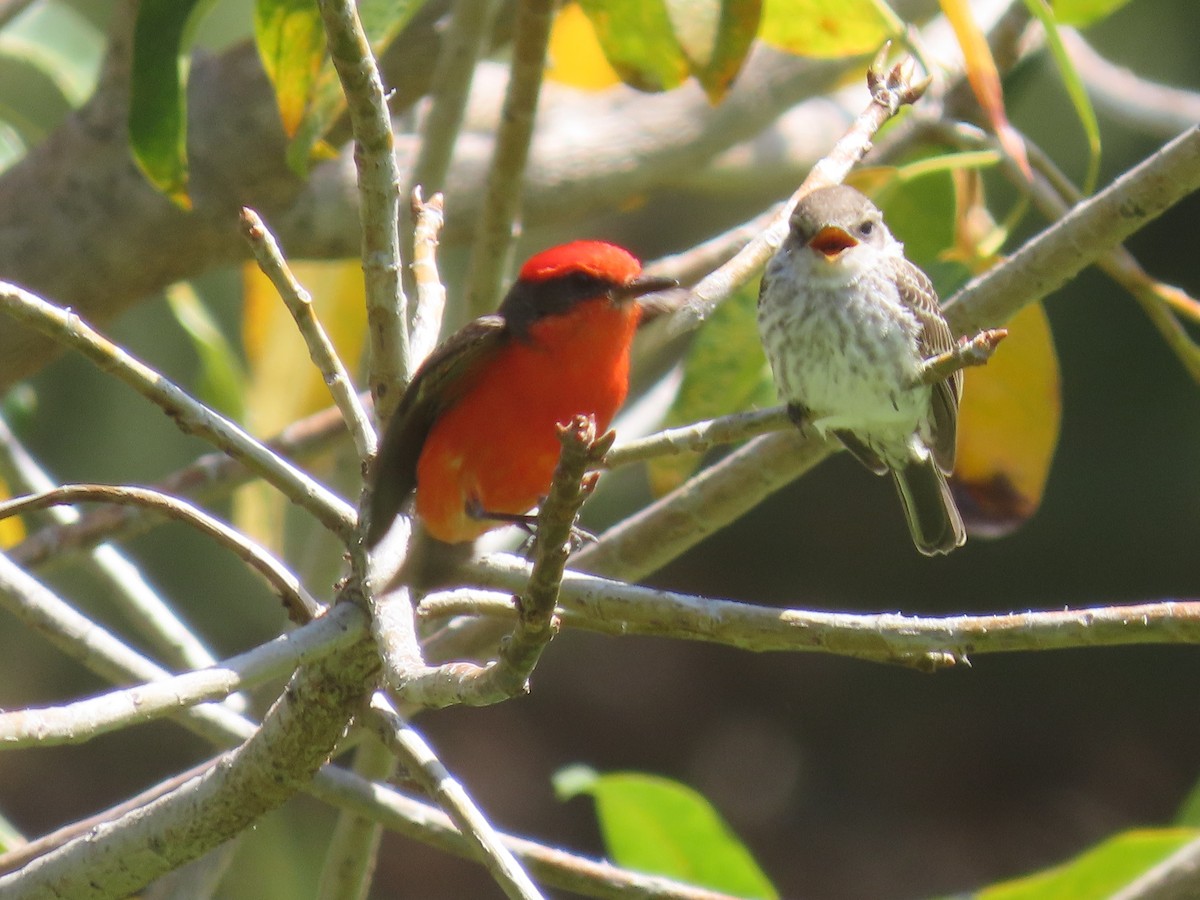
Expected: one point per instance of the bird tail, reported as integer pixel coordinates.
(932, 516)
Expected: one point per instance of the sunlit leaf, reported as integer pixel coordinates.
(291, 43)
(725, 371)
(1008, 428)
(575, 56)
(658, 826)
(1085, 12)
(827, 28)
(283, 385)
(158, 92)
(1097, 873)
(1075, 90)
(12, 529)
(715, 36)
(222, 380)
(984, 78)
(639, 42)
(382, 20)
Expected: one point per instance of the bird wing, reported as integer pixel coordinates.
(447, 373)
(917, 293)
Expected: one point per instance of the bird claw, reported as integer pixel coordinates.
(893, 88)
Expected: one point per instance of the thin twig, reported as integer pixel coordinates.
(379, 214)
(974, 352)
(191, 416)
(120, 857)
(422, 763)
(300, 604)
(474, 685)
(536, 626)
(354, 845)
(320, 347)
(86, 641)
(699, 436)
(212, 475)
(463, 39)
(168, 635)
(75, 723)
(1054, 194)
(890, 90)
(502, 201)
(615, 607)
(1088, 231)
(431, 294)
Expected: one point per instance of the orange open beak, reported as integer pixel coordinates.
(831, 240)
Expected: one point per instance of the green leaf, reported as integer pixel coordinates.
(639, 42)
(715, 36)
(382, 20)
(291, 43)
(1085, 12)
(828, 28)
(222, 381)
(725, 371)
(1098, 872)
(158, 100)
(662, 827)
(1189, 811)
(1075, 90)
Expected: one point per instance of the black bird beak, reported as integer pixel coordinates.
(640, 286)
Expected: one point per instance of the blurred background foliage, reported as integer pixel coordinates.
(845, 779)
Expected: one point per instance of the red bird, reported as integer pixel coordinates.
(474, 434)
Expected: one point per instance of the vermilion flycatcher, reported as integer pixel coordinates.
(474, 434)
(846, 321)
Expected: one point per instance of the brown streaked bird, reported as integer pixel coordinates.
(846, 321)
(474, 434)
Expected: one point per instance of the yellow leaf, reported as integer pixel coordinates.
(575, 56)
(1008, 428)
(826, 28)
(12, 530)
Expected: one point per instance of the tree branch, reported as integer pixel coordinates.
(299, 603)
(191, 416)
(320, 347)
(506, 177)
(75, 723)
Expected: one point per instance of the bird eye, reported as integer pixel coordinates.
(866, 228)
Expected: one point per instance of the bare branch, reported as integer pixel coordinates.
(300, 604)
(168, 634)
(301, 729)
(1087, 232)
(320, 348)
(191, 416)
(615, 607)
(379, 193)
(431, 294)
(212, 475)
(974, 352)
(75, 723)
(422, 763)
(506, 179)
(890, 90)
(354, 845)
